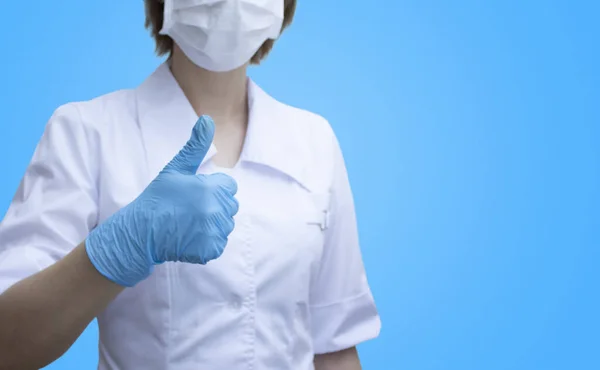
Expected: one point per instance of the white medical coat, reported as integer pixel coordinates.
(291, 281)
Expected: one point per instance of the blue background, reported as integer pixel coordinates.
(470, 130)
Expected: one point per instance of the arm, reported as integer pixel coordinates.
(54, 289)
(48, 291)
(346, 359)
(342, 308)
(43, 315)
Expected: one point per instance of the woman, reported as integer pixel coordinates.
(130, 195)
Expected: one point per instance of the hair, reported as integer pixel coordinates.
(164, 44)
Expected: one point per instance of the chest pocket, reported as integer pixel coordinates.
(318, 214)
(287, 237)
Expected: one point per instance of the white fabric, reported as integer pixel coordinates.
(222, 35)
(291, 281)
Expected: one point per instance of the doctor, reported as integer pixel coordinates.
(205, 224)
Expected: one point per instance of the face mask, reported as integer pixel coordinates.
(222, 35)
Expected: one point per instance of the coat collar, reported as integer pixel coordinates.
(166, 119)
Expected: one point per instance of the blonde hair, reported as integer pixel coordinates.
(164, 44)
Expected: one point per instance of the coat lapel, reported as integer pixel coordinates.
(165, 119)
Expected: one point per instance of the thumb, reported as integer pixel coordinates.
(189, 158)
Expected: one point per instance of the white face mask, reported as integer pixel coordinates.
(221, 35)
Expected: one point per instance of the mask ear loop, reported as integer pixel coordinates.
(167, 17)
(277, 27)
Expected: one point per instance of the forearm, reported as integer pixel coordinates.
(343, 360)
(43, 315)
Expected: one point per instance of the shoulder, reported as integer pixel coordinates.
(92, 114)
(290, 120)
(82, 126)
(313, 128)
(311, 140)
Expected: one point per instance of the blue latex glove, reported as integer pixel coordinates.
(180, 216)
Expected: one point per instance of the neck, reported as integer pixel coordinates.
(221, 95)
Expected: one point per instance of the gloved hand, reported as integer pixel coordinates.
(180, 216)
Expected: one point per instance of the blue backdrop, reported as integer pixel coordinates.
(470, 130)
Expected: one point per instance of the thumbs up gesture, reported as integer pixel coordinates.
(179, 217)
